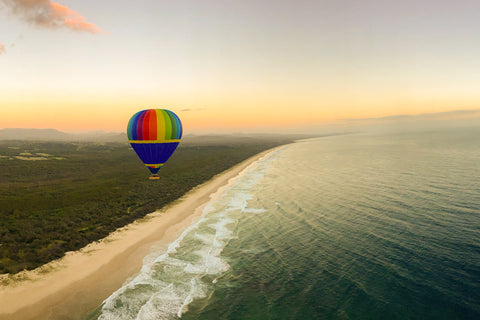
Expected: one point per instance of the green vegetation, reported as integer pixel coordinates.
(72, 193)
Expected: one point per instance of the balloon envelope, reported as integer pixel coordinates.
(154, 134)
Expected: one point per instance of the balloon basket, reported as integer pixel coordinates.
(154, 177)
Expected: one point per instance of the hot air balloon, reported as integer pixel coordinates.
(154, 134)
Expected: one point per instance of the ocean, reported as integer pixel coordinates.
(357, 226)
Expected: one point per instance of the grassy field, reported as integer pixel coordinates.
(59, 196)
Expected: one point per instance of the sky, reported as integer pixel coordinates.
(235, 66)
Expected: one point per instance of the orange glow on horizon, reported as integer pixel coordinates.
(110, 111)
(88, 119)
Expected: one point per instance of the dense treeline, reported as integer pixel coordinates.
(84, 191)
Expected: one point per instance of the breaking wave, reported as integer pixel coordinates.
(188, 270)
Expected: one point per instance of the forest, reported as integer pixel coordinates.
(59, 196)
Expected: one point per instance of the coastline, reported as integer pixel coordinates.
(73, 286)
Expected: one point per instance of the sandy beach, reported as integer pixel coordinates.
(71, 287)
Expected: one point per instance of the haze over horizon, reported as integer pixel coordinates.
(279, 66)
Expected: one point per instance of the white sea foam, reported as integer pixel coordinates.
(169, 282)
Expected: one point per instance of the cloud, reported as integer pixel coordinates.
(445, 115)
(196, 109)
(47, 14)
(2, 48)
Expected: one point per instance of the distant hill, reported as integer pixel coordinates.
(56, 135)
(187, 140)
(102, 136)
(32, 134)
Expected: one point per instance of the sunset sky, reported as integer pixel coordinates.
(234, 66)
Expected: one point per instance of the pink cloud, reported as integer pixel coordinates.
(2, 48)
(74, 20)
(44, 13)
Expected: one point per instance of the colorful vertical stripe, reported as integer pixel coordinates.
(154, 134)
(154, 125)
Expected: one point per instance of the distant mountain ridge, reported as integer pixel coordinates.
(56, 135)
(102, 136)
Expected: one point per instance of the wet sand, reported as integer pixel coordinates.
(72, 287)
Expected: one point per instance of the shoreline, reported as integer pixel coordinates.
(73, 286)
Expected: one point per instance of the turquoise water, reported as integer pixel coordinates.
(363, 226)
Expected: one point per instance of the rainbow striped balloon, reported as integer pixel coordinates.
(154, 134)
